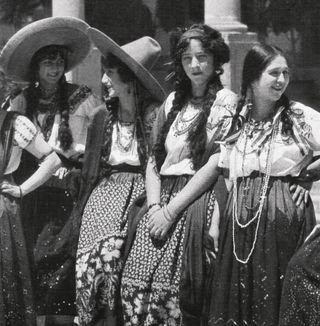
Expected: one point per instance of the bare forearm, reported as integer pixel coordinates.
(50, 164)
(153, 183)
(198, 184)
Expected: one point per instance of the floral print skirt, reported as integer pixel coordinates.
(102, 235)
(152, 273)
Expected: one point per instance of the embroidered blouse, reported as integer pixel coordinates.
(24, 133)
(288, 154)
(124, 147)
(82, 103)
(178, 161)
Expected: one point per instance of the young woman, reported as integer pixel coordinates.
(17, 133)
(164, 274)
(267, 217)
(41, 53)
(113, 173)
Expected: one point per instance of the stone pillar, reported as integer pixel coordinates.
(224, 15)
(89, 71)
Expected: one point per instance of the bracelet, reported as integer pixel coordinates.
(153, 205)
(20, 191)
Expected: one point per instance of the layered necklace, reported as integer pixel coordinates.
(186, 121)
(262, 197)
(125, 135)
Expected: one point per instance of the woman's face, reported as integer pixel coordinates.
(51, 70)
(116, 85)
(197, 63)
(273, 80)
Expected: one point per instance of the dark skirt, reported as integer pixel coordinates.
(16, 299)
(159, 286)
(249, 294)
(46, 214)
(300, 304)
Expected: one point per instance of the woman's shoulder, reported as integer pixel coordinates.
(298, 108)
(226, 101)
(227, 96)
(82, 99)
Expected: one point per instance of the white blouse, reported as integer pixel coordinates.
(24, 133)
(178, 161)
(288, 154)
(124, 147)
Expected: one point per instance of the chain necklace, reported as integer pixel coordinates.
(183, 124)
(265, 184)
(124, 140)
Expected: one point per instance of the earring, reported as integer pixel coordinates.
(249, 104)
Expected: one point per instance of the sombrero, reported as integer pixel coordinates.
(70, 32)
(139, 55)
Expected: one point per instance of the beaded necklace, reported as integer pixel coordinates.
(183, 123)
(124, 140)
(263, 192)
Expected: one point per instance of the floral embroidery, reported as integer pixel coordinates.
(78, 97)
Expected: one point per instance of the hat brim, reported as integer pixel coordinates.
(66, 31)
(106, 45)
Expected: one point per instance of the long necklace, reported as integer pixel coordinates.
(183, 124)
(124, 140)
(257, 216)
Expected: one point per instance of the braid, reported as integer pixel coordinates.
(141, 139)
(177, 104)
(237, 120)
(64, 135)
(285, 116)
(197, 136)
(111, 106)
(32, 94)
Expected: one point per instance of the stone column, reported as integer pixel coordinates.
(224, 15)
(89, 71)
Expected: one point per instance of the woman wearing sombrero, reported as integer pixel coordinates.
(41, 53)
(113, 172)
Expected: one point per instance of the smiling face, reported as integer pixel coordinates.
(197, 63)
(115, 85)
(273, 80)
(51, 70)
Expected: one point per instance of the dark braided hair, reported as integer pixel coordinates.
(255, 62)
(33, 92)
(112, 104)
(213, 43)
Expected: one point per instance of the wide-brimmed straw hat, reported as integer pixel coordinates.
(140, 56)
(69, 32)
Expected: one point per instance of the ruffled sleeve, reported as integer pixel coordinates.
(24, 131)
(306, 127)
(222, 112)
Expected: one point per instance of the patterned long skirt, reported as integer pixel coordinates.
(300, 303)
(16, 299)
(102, 236)
(249, 294)
(151, 277)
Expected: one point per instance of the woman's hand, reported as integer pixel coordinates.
(300, 192)
(158, 224)
(214, 234)
(10, 189)
(313, 232)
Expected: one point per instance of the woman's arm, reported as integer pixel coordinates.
(153, 185)
(51, 162)
(161, 221)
